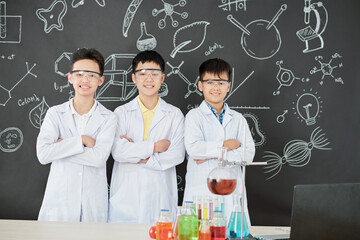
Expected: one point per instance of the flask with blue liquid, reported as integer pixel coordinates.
(233, 229)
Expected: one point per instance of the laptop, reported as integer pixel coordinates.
(326, 211)
(323, 211)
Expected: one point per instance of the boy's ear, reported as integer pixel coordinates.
(70, 78)
(101, 81)
(133, 78)
(163, 78)
(200, 86)
(229, 87)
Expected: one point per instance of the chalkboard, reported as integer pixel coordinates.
(296, 80)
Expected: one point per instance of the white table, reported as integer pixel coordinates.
(34, 230)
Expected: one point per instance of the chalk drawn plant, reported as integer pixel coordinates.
(37, 114)
(296, 153)
(182, 42)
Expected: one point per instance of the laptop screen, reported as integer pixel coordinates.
(326, 211)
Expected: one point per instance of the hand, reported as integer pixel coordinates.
(199, 161)
(59, 140)
(127, 138)
(161, 146)
(144, 160)
(231, 144)
(88, 141)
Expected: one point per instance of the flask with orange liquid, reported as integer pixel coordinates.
(164, 226)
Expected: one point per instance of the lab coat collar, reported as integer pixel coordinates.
(227, 117)
(162, 108)
(133, 105)
(95, 121)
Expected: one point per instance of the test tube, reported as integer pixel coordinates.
(216, 203)
(222, 206)
(2, 19)
(211, 208)
(205, 207)
(199, 207)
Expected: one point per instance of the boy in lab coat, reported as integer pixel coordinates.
(210, 126)
(148, 145)
(76, 138)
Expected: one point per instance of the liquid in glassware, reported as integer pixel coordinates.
(221, 186)
(164, 231)
(217, 233)
(234, 226)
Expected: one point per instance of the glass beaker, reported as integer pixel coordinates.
(233, 230)
(222, 179)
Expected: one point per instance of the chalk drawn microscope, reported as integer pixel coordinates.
(312, 37)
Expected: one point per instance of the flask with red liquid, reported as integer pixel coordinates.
(164, 226)
(222, 179)
(218, 226)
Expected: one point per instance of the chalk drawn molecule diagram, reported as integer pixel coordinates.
(53, 15)
(286, 78)
(192, 87)
(5, 96)
(327, 69)
(169, 11)
(62, 64)
(11, 139)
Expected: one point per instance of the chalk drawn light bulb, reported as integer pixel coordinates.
(307, 107)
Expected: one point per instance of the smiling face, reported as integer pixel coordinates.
(215, 94)
(85, 86)
(148, 85)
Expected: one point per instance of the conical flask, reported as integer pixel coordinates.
(233, 230)
(222, 179)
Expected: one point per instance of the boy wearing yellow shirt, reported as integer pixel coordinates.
(149, 143)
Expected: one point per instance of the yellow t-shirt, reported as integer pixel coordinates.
(148, 116)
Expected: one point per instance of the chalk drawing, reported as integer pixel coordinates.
(266, 30)
(169, 11)
(10, 26)
(5, 96)
(37, 114)
(11, 139)
(53, 15)
(296, 153)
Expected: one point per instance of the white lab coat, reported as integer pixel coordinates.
(204, 134)
(77, 182)
(139, 191)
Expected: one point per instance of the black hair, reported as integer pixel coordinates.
(215, 66)
(148, 56)
(88, 53)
